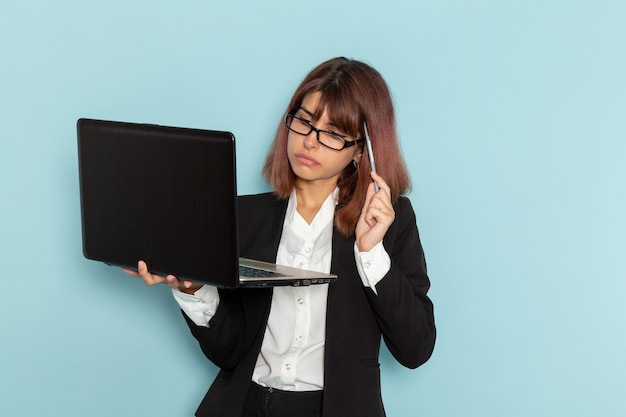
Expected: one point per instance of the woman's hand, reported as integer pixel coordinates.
(142, 272)
(377, 215)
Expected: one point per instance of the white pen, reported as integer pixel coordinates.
(370, 154)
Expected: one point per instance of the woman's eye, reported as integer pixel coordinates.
(336, 135)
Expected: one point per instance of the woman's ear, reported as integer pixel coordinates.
(357, 158)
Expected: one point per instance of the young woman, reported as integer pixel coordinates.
(313, 351)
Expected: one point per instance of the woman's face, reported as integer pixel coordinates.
(310, 160)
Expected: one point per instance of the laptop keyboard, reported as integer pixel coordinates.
(246, 271)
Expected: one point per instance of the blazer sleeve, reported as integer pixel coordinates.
(402, 308)
(234, 331)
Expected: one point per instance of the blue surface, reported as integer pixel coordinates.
(512, 120)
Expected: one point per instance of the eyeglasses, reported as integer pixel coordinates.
(329, 139)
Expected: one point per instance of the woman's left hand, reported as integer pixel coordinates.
(377, 215)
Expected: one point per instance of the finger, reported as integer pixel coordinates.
(373, 213)
(130, 272)
(380, 210)
(147, 277)
(383, 190)
(187, 284)
(142, 268)
(382, 215)
(381, 198)
(172, 281)
(379, 180)
(371, 191)
(370, 217)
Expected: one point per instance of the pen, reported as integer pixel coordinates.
(370, 154)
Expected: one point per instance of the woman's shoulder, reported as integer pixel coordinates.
(404, 228)
(260, 202)
(405, 215)
(259, 215)
(403, 204)
(261, 198)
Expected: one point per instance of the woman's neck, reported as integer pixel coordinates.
(310, 198)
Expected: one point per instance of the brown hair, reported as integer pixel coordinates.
(352, 93)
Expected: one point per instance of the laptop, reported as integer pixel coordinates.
(168, 196)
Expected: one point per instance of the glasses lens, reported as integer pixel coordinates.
(298, 125)
(331, 140)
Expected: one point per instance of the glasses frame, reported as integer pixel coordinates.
(346, 143)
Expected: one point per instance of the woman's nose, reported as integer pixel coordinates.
(310, 140)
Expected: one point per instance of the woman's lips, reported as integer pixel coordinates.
(306, 159)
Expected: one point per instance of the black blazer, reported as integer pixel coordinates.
(356, 317)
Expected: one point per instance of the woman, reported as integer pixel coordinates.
(313, 351)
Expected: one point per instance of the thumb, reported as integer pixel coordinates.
(368, 198)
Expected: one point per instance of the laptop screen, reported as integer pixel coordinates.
(161, 194)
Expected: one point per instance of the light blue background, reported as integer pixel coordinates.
(512, 120)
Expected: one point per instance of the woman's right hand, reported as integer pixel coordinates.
(142, 272)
